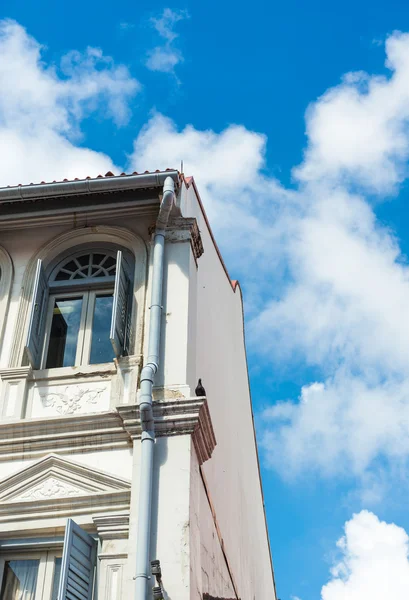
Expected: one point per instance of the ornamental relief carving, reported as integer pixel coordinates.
(51, 488)
(73, 399)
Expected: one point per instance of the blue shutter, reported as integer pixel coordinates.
(37, 317)
(120, 322)
(77, 565)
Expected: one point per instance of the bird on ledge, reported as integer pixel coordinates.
(200, 391)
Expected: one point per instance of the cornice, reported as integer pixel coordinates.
(184, 228)
(16, 373)
(176, 417)
(33, 438)
(112, 525)
(113, 430)
(73, 505)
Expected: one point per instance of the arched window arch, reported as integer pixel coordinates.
(84, 264)
(81, 308)
(6, 277)
(64, 245)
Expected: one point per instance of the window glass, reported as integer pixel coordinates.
(101, 347)
(87, 265)
(56, 580)
(65, 326)
(19, 579)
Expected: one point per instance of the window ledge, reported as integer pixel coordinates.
(104, 369)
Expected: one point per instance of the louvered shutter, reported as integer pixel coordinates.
(120, 319)
(37, 317)
(77, 565)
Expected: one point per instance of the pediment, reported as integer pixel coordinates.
(56, 477)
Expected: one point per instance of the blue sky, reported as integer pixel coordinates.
(310, 210)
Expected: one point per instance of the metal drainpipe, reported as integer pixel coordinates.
(145, 402)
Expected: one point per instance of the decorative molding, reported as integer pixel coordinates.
(72, 399)
(176, 417)
(111, 577)
(13, 392)
(204, 439)
(28, 512)
(33, 438)
(113, 430)
(78, 372)
(112, 526)
(50, 488)
(125, 387)
(181, 229)
(56, 477)
(113, 589)
(16, 373)
(54, 485)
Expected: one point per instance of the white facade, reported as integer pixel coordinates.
(70, 435)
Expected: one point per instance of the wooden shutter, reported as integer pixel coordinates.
(35, 335)
(120, 322)
(77, 565)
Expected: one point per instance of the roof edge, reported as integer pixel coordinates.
(86, 186)
(190, 181)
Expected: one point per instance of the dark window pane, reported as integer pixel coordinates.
(19, 579)
(65, 326)
(83, 260)
(110, 262)
(71, 266)
(56, 580)
(62, 276)
(101, 347)
(98, 258)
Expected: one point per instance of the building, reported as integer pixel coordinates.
(103, 282)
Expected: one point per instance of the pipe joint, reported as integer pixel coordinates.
(149, 371)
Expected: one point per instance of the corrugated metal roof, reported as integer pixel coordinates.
(108, 174)
(108, 183)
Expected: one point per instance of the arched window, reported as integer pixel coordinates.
(81, 310)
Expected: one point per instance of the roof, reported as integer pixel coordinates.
(100, 184)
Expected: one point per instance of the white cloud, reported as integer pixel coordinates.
(41, 108)
(335, 291)
(373, 564)
(165, 57)
(227, 167)
(335, 288)
(356, 130)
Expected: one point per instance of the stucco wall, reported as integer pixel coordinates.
(208, 568)
(232, 472)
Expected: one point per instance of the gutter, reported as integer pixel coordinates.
(149, 370)
(87, 186)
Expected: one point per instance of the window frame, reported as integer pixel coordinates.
(46, 567)
(84, 340)
(121, 285)
(69, 549)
